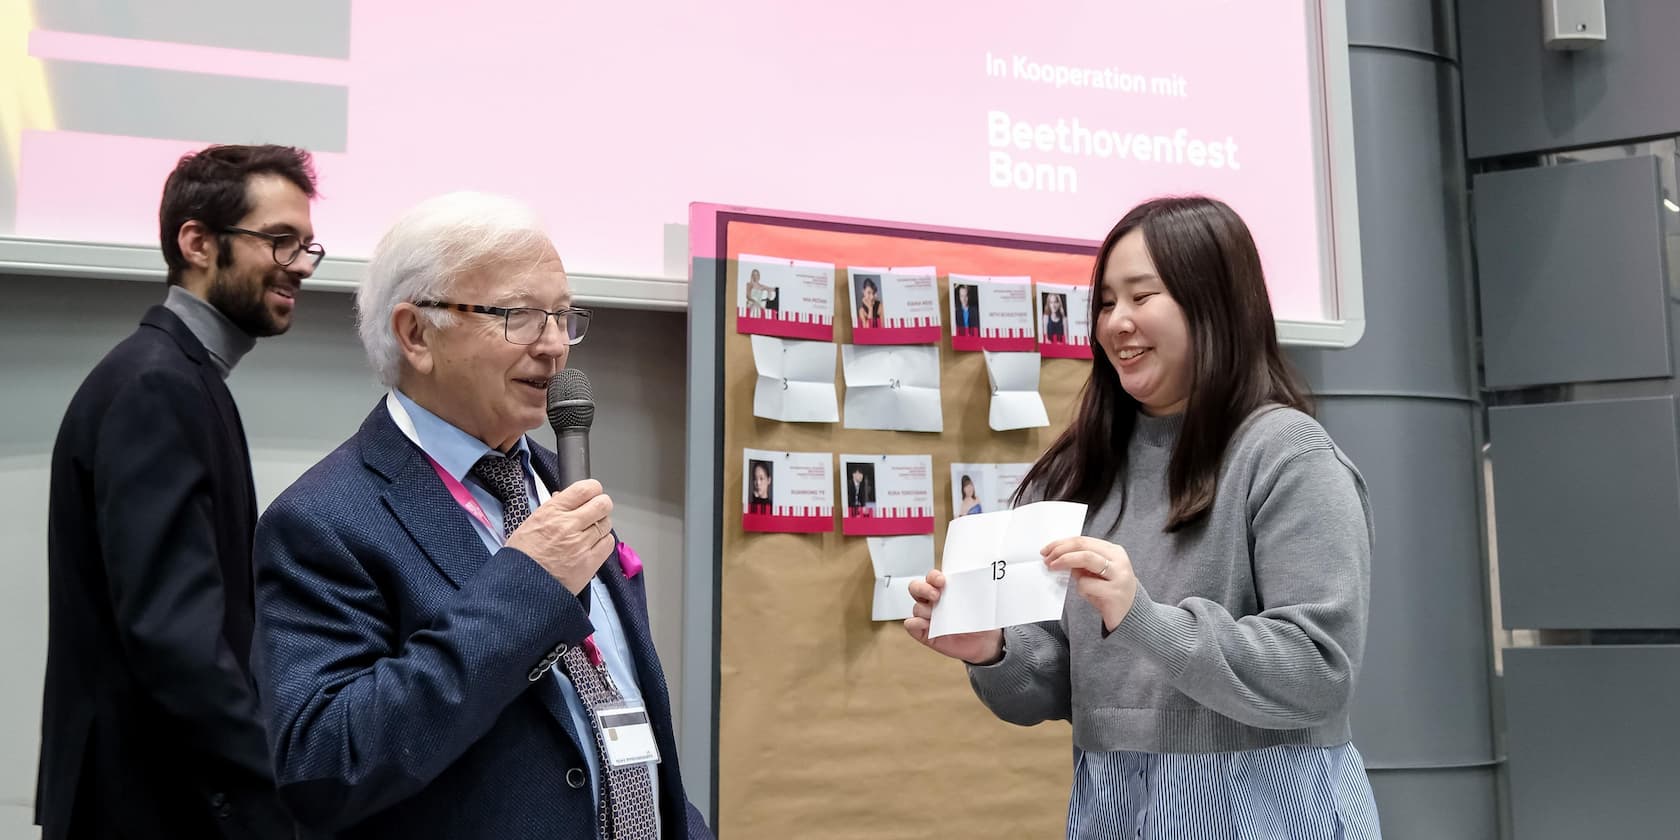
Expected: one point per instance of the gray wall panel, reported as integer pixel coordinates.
(1423, 693)
(1437, 804)
(1402, 404)
(1570, 264)
(1520, 97)
(1424, 27)
(702, 540)
(1593, 740)
(1411, 225)
(1588, 512)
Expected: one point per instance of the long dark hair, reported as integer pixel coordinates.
(1206, 258)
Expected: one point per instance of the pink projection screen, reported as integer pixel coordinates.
(1048, 118)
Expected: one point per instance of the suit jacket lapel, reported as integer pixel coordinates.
(211, 379)
(419, 500)
(632, 615)
(637, 635)
(656, 695)
(208, 375)
(225, 409)
(416, 497)
(229, 414)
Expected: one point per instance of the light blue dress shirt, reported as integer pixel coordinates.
(457, 452)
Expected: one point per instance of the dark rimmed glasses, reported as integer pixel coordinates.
(524, 324)
(287, 246)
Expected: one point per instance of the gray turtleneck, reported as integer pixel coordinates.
(227, 343)
(1248, 628)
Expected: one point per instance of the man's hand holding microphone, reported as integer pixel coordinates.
(571, 534)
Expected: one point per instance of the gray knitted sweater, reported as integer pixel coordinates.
(1248, 627)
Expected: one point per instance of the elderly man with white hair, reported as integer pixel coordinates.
(443, 648)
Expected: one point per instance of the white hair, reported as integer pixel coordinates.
(424, 254)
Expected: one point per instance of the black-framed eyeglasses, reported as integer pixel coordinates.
(524, 324)
(287, 246)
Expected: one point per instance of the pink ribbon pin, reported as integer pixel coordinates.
(630, 560)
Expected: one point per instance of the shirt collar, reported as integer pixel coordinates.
(454, 450)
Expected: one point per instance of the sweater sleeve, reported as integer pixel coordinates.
(1292, 665)
(1031, 683)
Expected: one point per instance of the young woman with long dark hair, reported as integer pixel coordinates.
(1216, 616)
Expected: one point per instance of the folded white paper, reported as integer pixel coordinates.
(795, 380)
(892, 387)
(994, 572)
(1015, 400)
(898, 561)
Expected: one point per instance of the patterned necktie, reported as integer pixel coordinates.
(504, 477)
(627, 808)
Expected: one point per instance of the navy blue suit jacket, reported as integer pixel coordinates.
(393, 656)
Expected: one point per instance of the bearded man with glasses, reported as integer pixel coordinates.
(445, 636)
(150, 724)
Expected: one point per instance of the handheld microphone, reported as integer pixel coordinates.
(571, 411)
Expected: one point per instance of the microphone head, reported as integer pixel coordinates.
(570, 403)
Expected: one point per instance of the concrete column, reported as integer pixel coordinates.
(1403, 404)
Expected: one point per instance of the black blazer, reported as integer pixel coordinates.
(149, 724)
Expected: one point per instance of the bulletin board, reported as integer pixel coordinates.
(827, 724)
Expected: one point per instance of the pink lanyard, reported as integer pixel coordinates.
(462, 495)
(464, 498)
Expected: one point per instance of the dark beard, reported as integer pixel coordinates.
(245, 307)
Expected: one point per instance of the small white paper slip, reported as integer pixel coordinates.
(1016, 403)
(795, 380)
(994, 574)
(892, 387)
(897, 562)
(628, 734)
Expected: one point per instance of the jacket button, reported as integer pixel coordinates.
(576, 778)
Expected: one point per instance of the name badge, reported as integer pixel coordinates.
(627, 734)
